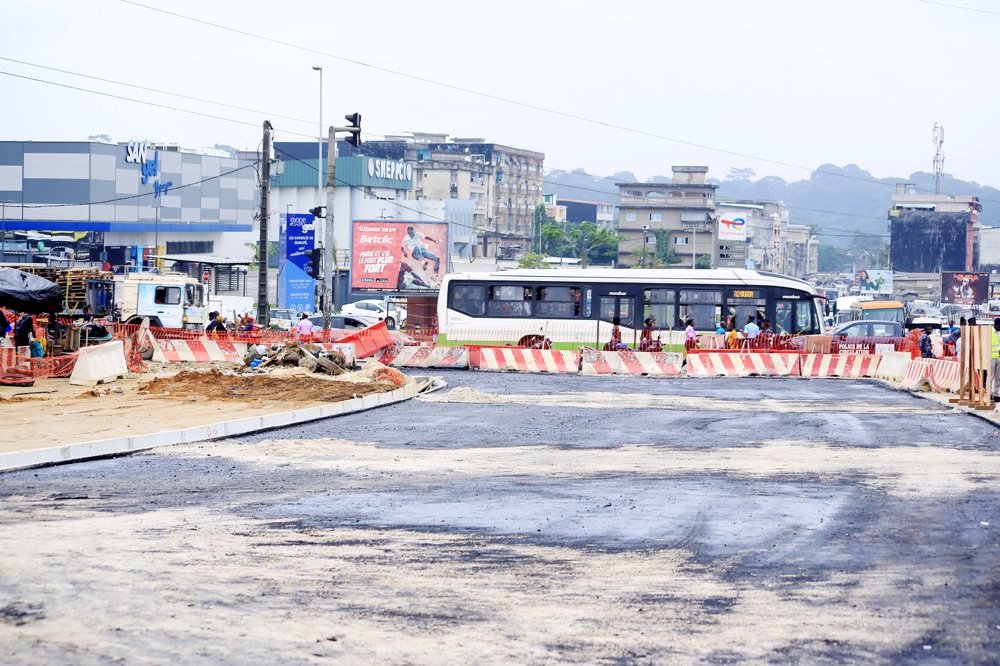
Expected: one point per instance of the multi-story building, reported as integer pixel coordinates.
(554, 208)
(931, 233)
(601, 214)
(801, 251)
(503, 183)
(683, 209)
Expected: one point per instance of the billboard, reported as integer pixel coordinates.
(397, 256)
(733, 228)
(965, 288)
(875, 282)
(296, 286)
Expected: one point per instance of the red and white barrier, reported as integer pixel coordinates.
(839, 365)
(553, 361)
(943, 375)
(426, 357)
(198, 351)
(917, 374)
(742, 364)
(660, 364)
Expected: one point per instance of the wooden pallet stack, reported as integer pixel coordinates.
(72, 280)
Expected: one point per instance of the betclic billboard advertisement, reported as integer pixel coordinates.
(398, 257)
(965, 288)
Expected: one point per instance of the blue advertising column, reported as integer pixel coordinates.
(296, 286)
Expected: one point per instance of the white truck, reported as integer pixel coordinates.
(170, 300)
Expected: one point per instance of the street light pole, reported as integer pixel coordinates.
(319, 153)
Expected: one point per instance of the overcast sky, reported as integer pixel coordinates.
(777, 86)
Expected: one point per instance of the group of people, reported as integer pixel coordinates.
(733, 336)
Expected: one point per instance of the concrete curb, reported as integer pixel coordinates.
(124, 445)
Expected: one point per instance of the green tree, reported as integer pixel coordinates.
(664, 255)
(532, 260)
(703, 261)
(586, 237)
(541, 219)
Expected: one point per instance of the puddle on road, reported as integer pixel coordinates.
(599, 400)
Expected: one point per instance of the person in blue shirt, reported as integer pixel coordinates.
(751, 330)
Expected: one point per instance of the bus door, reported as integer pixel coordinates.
(616, 305)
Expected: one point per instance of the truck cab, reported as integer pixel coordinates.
(169, 301)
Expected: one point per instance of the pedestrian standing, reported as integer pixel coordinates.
(925, 344)
(690, 335)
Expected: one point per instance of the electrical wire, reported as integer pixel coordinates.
(499, 98)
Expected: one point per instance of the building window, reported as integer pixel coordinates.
(630, 217)
(656, 217)
(680, 240)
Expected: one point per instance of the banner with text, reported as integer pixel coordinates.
(296, 286)
(401, 257)
(965, 288)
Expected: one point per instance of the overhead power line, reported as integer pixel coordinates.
(486, 95)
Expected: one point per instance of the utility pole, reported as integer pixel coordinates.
(331, 276)
(263, 314)
(938, 138)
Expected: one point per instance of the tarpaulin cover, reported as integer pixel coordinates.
(24, 292)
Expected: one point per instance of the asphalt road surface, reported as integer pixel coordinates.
(527, 519)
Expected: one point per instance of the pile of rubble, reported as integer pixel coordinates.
(290, 352)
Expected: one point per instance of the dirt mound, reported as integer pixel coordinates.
(214, 385)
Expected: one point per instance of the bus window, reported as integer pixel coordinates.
(783, 317)
(804, 322)
(660, 303)
(746, 303)
(509, 301)
(469, 299)
(618, 306)
(702, 305)
(558, 302)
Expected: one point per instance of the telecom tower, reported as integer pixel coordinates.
(938, 139)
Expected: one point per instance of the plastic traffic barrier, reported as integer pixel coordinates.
(660, 364)
(839, 365)
(742, 364)
(99, 363)
(555, 361)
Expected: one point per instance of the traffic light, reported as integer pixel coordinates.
(318, 211)
(354, 120)
(314, 267)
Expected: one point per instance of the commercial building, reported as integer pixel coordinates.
(503, 184)
(117, 202)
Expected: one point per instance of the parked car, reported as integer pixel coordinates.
(862, 336)
(344, 322)
(394, 318)
(283, 319)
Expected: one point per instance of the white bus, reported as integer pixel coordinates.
(574, 308)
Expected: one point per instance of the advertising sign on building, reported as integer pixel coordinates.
(875, 282)
(401, 257)
(732, 228)
(296, 285)
(965, 288)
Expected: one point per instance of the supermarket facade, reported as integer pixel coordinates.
(116, 202)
